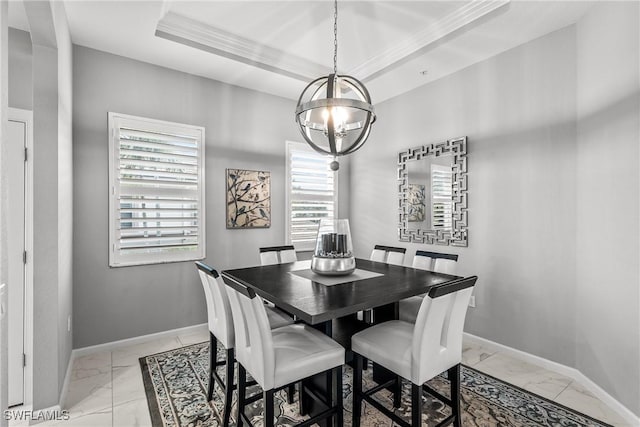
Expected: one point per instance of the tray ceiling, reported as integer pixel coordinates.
(279, 46)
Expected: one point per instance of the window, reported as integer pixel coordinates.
(441, 197)
(312, 194)
(156, 191)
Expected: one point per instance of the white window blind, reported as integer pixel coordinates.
(441, 197)
(312, 194)
(156, 197)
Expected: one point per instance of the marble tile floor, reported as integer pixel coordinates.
(106, 388)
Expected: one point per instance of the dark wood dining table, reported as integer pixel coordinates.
(315, 303)
(333, 308)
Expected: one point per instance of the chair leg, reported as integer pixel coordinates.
(357, 390)
(268, 408)
(416, 405)
(330, 387)
(228, 392)
(213, 352)
(291, 389)
(454, 379)
(302, 406)
(338, 401)
(367, 316)
(397, 392)
(242, 392)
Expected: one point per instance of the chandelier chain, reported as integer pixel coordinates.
(335, 37)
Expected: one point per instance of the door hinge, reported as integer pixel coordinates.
(25, 153)
(24, 360)
(24, 257)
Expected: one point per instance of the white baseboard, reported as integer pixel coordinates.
(67, 380)
(113, 345)
(573, 373)
(528, 357)
(36, 417)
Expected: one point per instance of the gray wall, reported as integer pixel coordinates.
(45, 228)
(558, 271)
(244, 129)
(517, 110)
(608, 295)
(65, 187)
(20, 81)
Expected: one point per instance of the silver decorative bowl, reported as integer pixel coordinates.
(333, 266)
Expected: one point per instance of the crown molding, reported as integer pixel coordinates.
(387, 60)
(189, 32)
(201, 36)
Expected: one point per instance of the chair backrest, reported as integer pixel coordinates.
(268, 258)
(396, 256)
(435, 261)
(254, 342)
(388, 254)
(437, 334)
(423, 261)
(220, 320)
(445, 265)
(277, 255)
(288, 255)
(378, 255)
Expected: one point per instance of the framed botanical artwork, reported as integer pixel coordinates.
(248, 199)
(416, 202)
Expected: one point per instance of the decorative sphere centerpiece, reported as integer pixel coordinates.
(334, 253)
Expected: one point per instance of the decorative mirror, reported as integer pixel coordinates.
(433, 193)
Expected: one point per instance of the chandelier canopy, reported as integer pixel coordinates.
(334, 112)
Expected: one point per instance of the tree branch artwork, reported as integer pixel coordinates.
(416, 202)
(248, 199)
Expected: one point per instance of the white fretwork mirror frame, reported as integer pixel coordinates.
(458, 236)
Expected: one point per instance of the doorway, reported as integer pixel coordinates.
(19, 228)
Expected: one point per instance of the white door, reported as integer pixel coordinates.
(17, 132)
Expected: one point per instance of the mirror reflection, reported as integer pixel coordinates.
(430, 193)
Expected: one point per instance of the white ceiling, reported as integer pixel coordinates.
(278, 46)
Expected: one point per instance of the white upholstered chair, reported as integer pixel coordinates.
(396, 257)
(423, 260)
(221, 330)
(417, 351)
(432, 261)
(280, 357)
(277, 255)
(446, 265)
(378, 254)
(288, 255)
(388, 254)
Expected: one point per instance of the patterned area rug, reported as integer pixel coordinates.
(176, 383)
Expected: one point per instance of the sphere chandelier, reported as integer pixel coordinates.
(334, 112)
